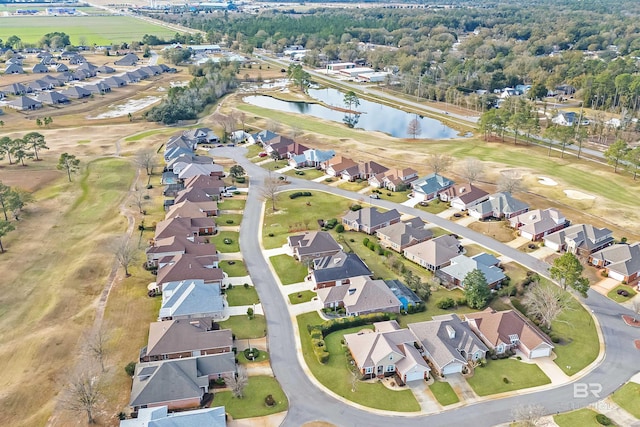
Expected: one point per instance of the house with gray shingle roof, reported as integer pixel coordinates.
(53, 80)
(105, 69)
(369, 220)
(401, 235)
(428, 188)
(160, 417)
(536, 224)
(39, 85)
(61, 67)
(313, 244)
(338, 269)
(178, 383)
(388, 350)
(499, 205)
(13, 69)
(52, 98)
(16, 89)
(311, 158)
(40, 68)
(76, 92)
(460, 266)
(435, 253)
(24, 103)
(449, 343)
(580, 239)
(190, 299)
(463, 196)
(361, 296)
(622, 261)
(98, 88)
(114, 82)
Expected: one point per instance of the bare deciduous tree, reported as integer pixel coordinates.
(295, 132)
(510, 182)
(269, 191)
(438, 162)
(126, 254)
(546, 303)
(96, 346)
(273, 126)
(528, 415)
(146, 159)
(471, 169)
(237, 382)
(82, 394)
(140, 200)
(414, 129)
(636, 309)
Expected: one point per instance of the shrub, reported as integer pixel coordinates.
(380, 250)
(446, 303)
(355, 207)
(300, 194)
(237, 193)
(227, 241)
(365, 241)
(505, 380)
(328, 180)
(461, 301)
(122, 416)
(340, 229)
(251, 353)
(130, 369)
(149, 187)
(246, 286)
(269, 400)
(603, 420)
(241, 179)
(229, 221)
(329, 326)
(270, 234)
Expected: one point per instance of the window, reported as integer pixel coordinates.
(514, 338)
(391, 368)
(368, 370)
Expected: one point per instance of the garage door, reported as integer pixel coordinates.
(616, 276)
(540, 352)
(413, 376)
(453, 368)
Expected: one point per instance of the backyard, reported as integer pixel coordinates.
(252, 403)
(288, 269)
(240, 295)
(337, 376)
(245, 328)
(502, 375)
(226, 241)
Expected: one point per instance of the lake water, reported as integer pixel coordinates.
(374, 117)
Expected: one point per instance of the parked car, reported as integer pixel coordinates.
(230, 189)
(262, 154)
(374, 196)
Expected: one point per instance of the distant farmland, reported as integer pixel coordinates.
(101, 30)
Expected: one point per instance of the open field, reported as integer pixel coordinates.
(100, 30)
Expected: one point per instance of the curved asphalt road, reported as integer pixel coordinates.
(307, 402)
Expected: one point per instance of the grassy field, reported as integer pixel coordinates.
(613, 293)
(336, 375)
(239, 295)
(353, 186)
(145, 134)
(498, 230)
(234, 268)
(245, 328)
(309, 174)
(582, 417)
(219, 241)
(252, 403)
(288, 269)
(627, 398)
(303, 296)
(101, 30)
(444, 393)
(492, 379)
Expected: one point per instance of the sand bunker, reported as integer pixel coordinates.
(546, 181)
(130, 106)
(578, 195)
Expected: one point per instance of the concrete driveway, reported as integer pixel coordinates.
(605, 285)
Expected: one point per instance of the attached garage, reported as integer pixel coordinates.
(616, 275)
(542, 351)
(413, 376)
(452, 368)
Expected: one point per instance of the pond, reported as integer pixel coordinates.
(374, 117)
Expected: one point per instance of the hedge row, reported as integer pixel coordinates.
(329, 326)
(317, 342)
(300, 194)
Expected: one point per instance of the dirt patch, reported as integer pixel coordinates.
(547, 181)
(578, 195)
(129, 107)
(498, 230)
(28, 179)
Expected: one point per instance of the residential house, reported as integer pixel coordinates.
(508, 330)
(564, 118)
(77, 59)
(191, 299)
(369, 220)
(76, 92)
(52, 98)
(54, 81)
(89, 69)
(463, 196)
(16, 89)
(401, 235)
(389, 350)
(61, 68)
(178, 245)
(428, 188)
(363, 171)
(211, 184)
(460, 266)
(337, 270)
(185, 227)
(197, 195)
(393, 179)
(182, 140)
(175, 339)
(114, 82)
(434, 254)
(283, 147)
(98, 88)
(129, 60)
(580, 239)
(313, 244)
(175, 152)
(449, 343)
(81, 75)
(622, 261)
(536, 224)
(499, 205)
(130, 77)
(13, 69)
(39, 85)
(186, 159)
(406, 296)
(337, 165)
(264, 137)
(178, 383)
(361, 296)
(23, 103)
(40, 68)
(189, 267)
(202, 135)
(105, 69)
(160, 417)
(195, 169)
(311, 158)
(65, 77)
(189, 209)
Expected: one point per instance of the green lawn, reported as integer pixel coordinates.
(234, 268)
(253, 150)
(245, 328)
(434, 207)
(294, 215)
(239, 295)
(229, 219)
(394, 196)
(142, 135)
(353, 185)
(232, 205)
(310, 173)
(288, 269)
(336, 375)
(219, 241)
(437, 294)
(582, 417)
(444, 393)
(613, 293)
(627, 397)
(303, 296)
(252, 404)
(101, 30)
(263, 356)
(490, 379)
(275, 164)
(473, 250)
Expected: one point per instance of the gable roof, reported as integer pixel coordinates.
(186, 227)
(189, 209)
(313, 242)
(498, 326)
(16, 89)
(500, 203)
(538, 221)
(313, 156)
(371, 217)
(403, 233)
(160, 417)
(128, 59)
(340, 163)
(176, 336)
(431, 184)
(264, 135)
(622, 258)
(52, 98)
(466, 193)
(339, 267)
(462, 265)
(76, 92)
(436, 251)
(585, 236)
(189, 267)
(25, 103)
(362, 295)
(194, 169)
(190, 297)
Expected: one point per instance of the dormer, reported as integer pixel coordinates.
(451, 333)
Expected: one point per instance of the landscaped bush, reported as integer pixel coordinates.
(505, 380)
(269, 400)
(300, 194)
(328, 180)
(229, 221)
(270, 234)
(446, 303)
(331, 223)
(299, 173)
(340, 229)
(355, 207)
(329, 326)
(241, 179)
(365, 241)
(130, 369)
(603, 420)
(518, 305)
(251, 353)
(227, 241)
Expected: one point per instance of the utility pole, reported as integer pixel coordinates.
(578, 129)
